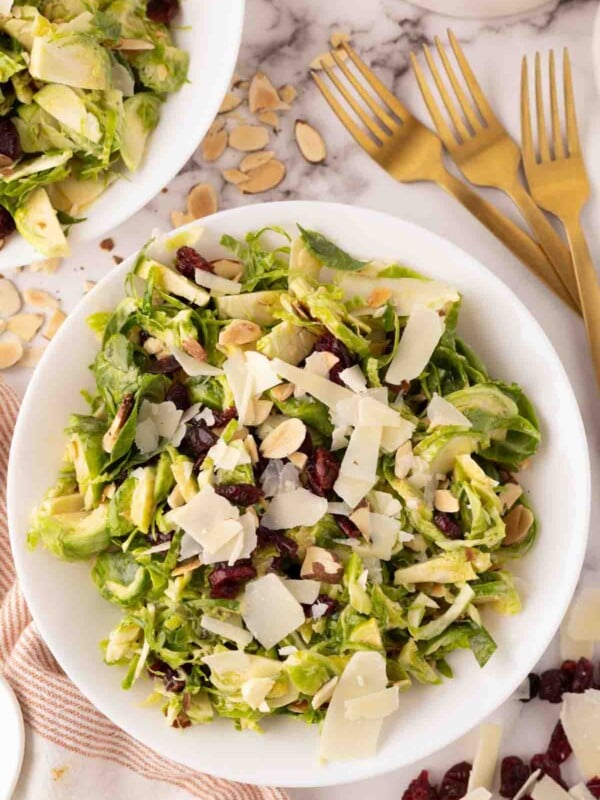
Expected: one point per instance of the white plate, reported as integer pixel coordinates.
(12, 740)
(479, 9)
(596, 48)
(211, 32)
(73, 618)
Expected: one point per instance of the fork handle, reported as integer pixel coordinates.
(503, 228)
(551, 243)
(587, 283)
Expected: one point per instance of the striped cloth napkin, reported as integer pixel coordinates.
(52, 706)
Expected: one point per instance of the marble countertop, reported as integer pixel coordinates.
(280, 38)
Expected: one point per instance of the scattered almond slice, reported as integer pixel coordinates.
(235, 176)
(283, 391)
(378, 297)
(337, 38)
(213, 145)
(202, 200)
(54, 323)
(285, 439)
(39, 298)
(179, 218)
(288, 93)
(5, 161)
(10, 299)
(262, 95)
(254, 160)
(32, 355)
(230, 101)
(240, 331)
(518, 521)
(186, 566)
(11, 350)
(444, 500)
(263, 178)
(88, 286)
(509, 494)
(310, 142)
(249, 137)
(326, 59)
(48, 265)
(227, 268)
(270, 118)
(25, 325)
(194, 349)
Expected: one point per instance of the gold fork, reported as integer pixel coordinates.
(484, 152)
(410, 152)
(559, 183)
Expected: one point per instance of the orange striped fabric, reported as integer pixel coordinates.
(51, 704)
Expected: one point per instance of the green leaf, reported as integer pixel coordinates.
(329, 253)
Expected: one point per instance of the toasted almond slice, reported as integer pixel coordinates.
(337, 38)
(10, 299)
(54, 323)
(518, 522)
(310, 142)
(25, 325)
(32, 355)
(88, 286)
(251, 448)
(288, 93)
(202, 200)
(187, 566)
(444, 500)
(213, 145)
(378, 297)
(133, 44)
(361, 517)
(179, 218)
(298, 459)
(283, 391)
(11, 350)
(5, 161)
(262, 95)
(270, 118)
(326, 59)
(230, 101)
(239, 331)
(48, 265)
(253, 160)
(227, 268)
(234, 176)
(194, 349)
(39, 298)
(509, 494)
(249, 137)
(263, 178)
(285, 439)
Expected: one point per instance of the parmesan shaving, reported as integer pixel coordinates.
(419, 339)
(441, 412)
(373, 706)
(584, 618)
(580, 716)
(216, 284)
(270, 611)
(227, 630)
(290, 509)
(486, 757)
(548, 789)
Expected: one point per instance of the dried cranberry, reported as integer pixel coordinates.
(447, 524)
(347, 527)
(594, 786)
(197, 440)
(505, 476)
(455, 781)
(559, 748)
(226, 582)
(177, 393)
(171, 677)
(10, 144)
(583, 677)
(163, 11)
(188, 260)
(548, 766)
(7, 223)
(322, 600)
(420, 788)
(285, 545)
(513, 774)
(223, 417)
(242, 494)
(329, 344)
(160, 537)
(567, 669)
(534, 687)
(163, 366)
(552, 686)
(322, 470)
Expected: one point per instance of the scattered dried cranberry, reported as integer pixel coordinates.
(513, 774)
(347, 527)
(559, 748)
(322, 470)
(328, 343)
(177, 393)
(534, 687)
(163, 366)
(197, 440)
(322, 599)
(583, 677)
(7, 223)
(242, 494)
(552, 686)
(10, 144)
(163, 11)
(160, 537)
(567, 670)
(182, 721)
(455, 781)
(420, 788)
(171, 677)
(226, 582)
(447, 524)
(548, 766)
(594, 786)
(223, 417)
(506, 476)
(285, 545)
(188, 260)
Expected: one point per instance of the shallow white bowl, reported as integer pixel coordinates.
(73, 618)
(211, 32)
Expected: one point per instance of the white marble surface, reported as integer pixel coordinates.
(281, 37)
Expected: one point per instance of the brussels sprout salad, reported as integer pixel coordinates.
(296, 481)
(82, 83)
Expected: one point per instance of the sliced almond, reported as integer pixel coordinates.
(213, 145)
(133, 44)
(176, 498)
(254, 160)
(5, 161)
(202, 200)
(509, 494)
(54, 323)
(239, 331)
(88, 286)
(11, 350)
(194, 349)
(187, 566)
(285, 439)
(227, 268)
(337, 38)
(25, 325)
(288, 93)
(263, 178)
(32, 355)
(249, 137)
(251, 448)
(270, 118)
(10, 299)
(310, 142)
(235, 176)
(298, 459)
(444, 500)
(403, 460)
(518, 522)
(327, 60)
(179, 218)
(39, 298)
(322, 565)
(283, 391)
(378, 297)
(48, 265)
(230, 101)
(361, 517)
(262, 95)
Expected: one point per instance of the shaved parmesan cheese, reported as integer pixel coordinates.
(580, 792)
(255, 691)
(290, 509)
(385, 503)
(419, 339)
(373, 706)
(305, 591)
(192, 366)
(189, 547)
(205, 510)
(261, 369)
(228, 456)
(5, 7)
(354, 378)
(404, 460)
(384, 535)
(580, 716)
(279, 477)
(343, 739)
(236, 661)
(218, 536)
(584, 617)
(548, 789)
(358, 470)
(362, 519)
(319, 363)
(146, 436)
(393, 438)
(526, 788)
(486, 757)
(478, 794)
(322, 389)
(324, 694)
(319, 610)
(288, 650)
(240, 383)
(225, 629)
(270, 611)
(216, 284)
(155, 421)
(571, 650)
(194, 409)
(441, 412)
(339, 437)
(339, 508)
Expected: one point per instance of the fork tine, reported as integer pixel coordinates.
(379, 112)
(526, 132)
(476, 92)
(459, 125)
(539, 105)
(458, 90)
(366, 120)
(557, 142)
(440, 123)
(380, 88)
(572, 135)
(361, 137)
